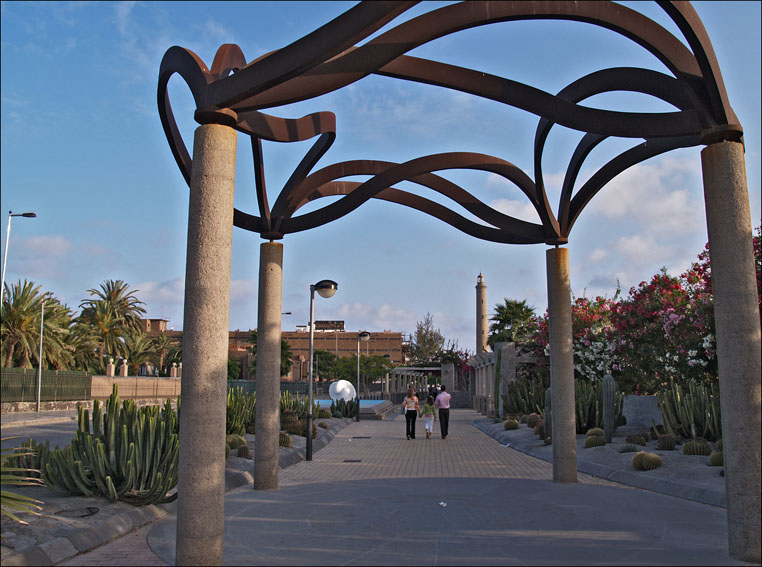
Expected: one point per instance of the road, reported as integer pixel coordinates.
(59, 434)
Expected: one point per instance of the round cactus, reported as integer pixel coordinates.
(284, 440)
(718, 445)
(666, 443)
(243, 451)
(595, 441)
(323, 424)
(716, 459)
(532, 420)
(697, 447)
(227, 451)
(235, 441)
(539, 429)
(629, 448)
(636, 440)
(650, 461)
(595, 432)
(637, 460)
(338, 414)
(523, 419)
(510, 424)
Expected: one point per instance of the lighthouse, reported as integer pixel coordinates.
(482, 328)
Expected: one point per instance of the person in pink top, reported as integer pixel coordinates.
(443, 404)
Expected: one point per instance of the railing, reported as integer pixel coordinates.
(250, 386)
(20, 385)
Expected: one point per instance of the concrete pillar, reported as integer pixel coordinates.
(123, 368)
(266, 450)
(448, 376)
(736, 315)
(482, 319)
(173, 370)
(201, 480)
(561, 366)
(110, 368)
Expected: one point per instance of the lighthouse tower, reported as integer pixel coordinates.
(482, 328)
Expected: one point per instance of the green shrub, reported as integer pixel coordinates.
(595, 441)
(510, 424)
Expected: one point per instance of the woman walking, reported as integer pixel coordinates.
(412, 410)
(429, 416)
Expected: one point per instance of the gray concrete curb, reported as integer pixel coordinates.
(63, 548)
(40, 421)
(615, 474)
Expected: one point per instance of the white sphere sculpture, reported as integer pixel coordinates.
(342, 390)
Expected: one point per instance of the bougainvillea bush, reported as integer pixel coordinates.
(662, 330)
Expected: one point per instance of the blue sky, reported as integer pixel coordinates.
(82, 146)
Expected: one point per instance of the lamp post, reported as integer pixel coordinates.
(326, 288)
(361, 336)
(5, 255)
(39, 360)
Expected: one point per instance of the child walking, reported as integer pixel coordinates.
(429, 416)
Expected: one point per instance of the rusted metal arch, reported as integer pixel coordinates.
(299, 72)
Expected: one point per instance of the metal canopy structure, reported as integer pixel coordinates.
(234, 93)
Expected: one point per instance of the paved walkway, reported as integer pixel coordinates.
(373, 497)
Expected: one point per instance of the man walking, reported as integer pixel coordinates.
(443, 404)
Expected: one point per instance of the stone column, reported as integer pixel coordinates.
(110, 368)
(266, 450)
(201, 484)
(736, 315)
(561, 366)
(482, 320)
(123, 368)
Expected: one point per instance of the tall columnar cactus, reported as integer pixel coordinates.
(609, 406)
(691, 410)
(548, 414)
(130, 455)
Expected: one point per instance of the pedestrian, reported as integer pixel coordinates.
(443, 404)
(412, 410)
(429, 414)
(432, 390)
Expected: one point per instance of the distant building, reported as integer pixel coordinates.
(329, 335)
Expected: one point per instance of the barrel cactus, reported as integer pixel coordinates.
(718, 445)
(716, 459)
(643, 461)
(539, 429)
(284, 439)
(288, 419)
(227, 451)
(243, 451)
(235, 441)
(629, 448)
(636, 440)
(523, 418)
(697, 447)
(595, 432)
(609, 407)
(532, 420)
(595, 441)
(510, 424)
(323, 424)
(666, 443)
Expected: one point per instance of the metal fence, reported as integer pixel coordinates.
(251, 386)
(20, 385)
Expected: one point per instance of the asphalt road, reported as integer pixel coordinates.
(59, 434)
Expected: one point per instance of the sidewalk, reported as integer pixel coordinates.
(371, 497)
(20, 419)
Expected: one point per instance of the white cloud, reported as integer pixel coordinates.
(598, 255)
(523, 210)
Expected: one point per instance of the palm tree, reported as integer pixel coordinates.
(139, 349)
(162, 344)
(86, 344)
(22, 307)
(113, 315)
(510, 321)
(286, 356)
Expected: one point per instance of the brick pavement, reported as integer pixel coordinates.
(376, 450)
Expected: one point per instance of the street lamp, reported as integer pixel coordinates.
(361, 336)
(326, 288)
(5, 256)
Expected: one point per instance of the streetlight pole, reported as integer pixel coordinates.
(326, 288)
(5, 255)
(361, 336)
(39, 359)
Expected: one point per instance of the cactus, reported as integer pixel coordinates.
(636, 440)
(718, 445)
(288, 419)
(30, 458)
(532, 420)
(595, 441)
(691, 410)
(131, 454)
(523, 418)
(548, 413)
(240, 410)
(643, 461)
(323, 424)
(629, 448)
(609, 407)
(716, 459)
(510, 424)
(235, 441)
(524, 396)
(539, 429)
(303, 429)
(284, 440)
(323, 414)
(337, 415)
(666, 443)
(227, 451)
(595, 432)
(243, 451)
(697, 447)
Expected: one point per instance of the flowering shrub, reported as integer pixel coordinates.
(663, 329)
